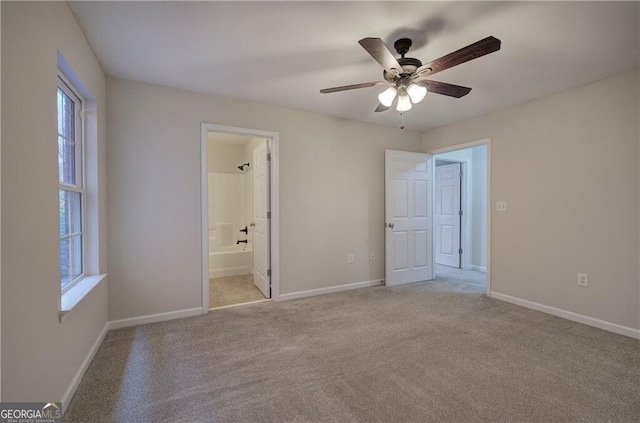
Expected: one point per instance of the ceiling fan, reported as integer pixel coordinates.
(406, 76)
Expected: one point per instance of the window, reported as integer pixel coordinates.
(71, 186)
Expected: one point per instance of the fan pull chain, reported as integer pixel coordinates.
(401, 120)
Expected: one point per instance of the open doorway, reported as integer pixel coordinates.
(237, 216)
(461, 215)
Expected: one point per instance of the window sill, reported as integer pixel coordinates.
(72, 297)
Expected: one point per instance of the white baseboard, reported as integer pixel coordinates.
(229, 271)
(329, 290)
(478, 268)
(154, 318)
(66, 398)
(590, 321)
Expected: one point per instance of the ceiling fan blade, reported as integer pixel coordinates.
(381, 53)
(443, 88)
(470, 52)
(353, 87)
(382, 108)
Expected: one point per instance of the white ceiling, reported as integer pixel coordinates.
(283, 53)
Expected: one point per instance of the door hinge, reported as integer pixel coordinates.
(268, 157)
(460, 251)
(461, 174)
(268, 215)
(460, 213)
(269, 272)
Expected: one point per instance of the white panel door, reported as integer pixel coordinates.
(261, 257)
(408, 211)
(447, 215)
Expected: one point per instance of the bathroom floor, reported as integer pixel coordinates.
(230, 290)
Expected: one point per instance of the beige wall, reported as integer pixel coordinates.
(479, 207)
(568, 166)
(331, 194)
(0, 224)
(40, 355)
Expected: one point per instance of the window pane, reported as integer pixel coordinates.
(66, 139)
(66, 161)
(60, 110)
(66, 116)
(70, 212)
(70, 259)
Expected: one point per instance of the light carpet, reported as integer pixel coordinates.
(437, 351)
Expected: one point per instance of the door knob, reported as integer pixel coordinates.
(391, 225)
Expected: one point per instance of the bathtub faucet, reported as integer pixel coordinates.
(245, 230)
(241, 240)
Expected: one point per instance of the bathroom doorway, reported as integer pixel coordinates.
(237, 216)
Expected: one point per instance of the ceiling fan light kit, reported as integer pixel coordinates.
(404, 103)
(413, 92)
(416, 93)
(387, 96)
(406, 77)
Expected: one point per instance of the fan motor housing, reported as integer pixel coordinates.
(409, 66)
(410, 62)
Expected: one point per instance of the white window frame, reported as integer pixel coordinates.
(80, 186)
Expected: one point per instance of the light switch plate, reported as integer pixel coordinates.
(583, 279)
(501, 206)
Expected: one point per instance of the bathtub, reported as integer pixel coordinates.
(231, 261)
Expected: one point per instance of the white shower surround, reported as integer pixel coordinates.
(235, 260)
(230, 210)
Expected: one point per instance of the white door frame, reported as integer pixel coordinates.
(487, 142)
(273, 140)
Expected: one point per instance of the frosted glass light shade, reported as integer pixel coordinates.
(386, 97)
(416, 92)
(404, 103)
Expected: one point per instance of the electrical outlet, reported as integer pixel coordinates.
(349, 258)
(583, 279)
(501, 206)
(372, 256)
